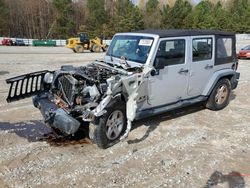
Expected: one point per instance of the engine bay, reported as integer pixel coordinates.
(78, 86)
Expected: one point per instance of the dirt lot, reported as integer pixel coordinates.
(178, 149)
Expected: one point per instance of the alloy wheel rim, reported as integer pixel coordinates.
(114, 124)
(221, 95)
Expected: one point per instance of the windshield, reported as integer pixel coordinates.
(132, 48)
(246, 48)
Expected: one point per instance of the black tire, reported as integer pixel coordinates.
(99, 133)
(219, 98)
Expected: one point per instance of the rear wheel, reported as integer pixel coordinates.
(79, 49)
(111, 126)
(219, 98)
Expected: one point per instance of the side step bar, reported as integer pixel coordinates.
(25, 85)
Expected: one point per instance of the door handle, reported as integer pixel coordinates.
(208, 66)
(183, 71)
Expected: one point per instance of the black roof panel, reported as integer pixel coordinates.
(183, 32)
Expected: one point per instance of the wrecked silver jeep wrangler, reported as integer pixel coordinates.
(142, 74)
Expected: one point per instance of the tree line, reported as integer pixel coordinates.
(64, 18)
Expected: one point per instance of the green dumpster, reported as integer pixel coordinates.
(44, 43)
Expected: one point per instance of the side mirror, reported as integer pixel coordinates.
(159, 63)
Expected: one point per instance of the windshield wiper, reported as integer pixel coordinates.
(125, 61)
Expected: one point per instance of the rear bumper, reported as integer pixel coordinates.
(54, 116)
(235, 80)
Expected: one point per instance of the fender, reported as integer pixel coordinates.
(100, 110)
(215, 78)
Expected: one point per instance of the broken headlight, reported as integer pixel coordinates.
(48, 78)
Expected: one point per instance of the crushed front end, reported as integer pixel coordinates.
(70, 96)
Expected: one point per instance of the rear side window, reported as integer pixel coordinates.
(202, 49)
(172, 51)
(224, 47)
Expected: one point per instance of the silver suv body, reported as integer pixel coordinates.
(142, 74)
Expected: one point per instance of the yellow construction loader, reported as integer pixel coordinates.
(82, 42)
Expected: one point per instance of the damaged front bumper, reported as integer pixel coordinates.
(54, 116)
(32, 84)
(60, 118)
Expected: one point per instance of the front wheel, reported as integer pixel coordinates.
(219, 98)
(111, 126)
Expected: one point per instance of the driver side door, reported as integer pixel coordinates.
(169, 85)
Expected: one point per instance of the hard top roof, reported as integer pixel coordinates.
(183, 32)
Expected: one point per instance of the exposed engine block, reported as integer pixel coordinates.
(84, 84)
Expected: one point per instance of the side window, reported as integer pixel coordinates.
(172, 52)
(202, 49)
(224, 47)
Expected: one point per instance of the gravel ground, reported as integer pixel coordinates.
(191, 147)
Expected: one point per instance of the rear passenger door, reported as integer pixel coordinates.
(170, 84)
(202, 63)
